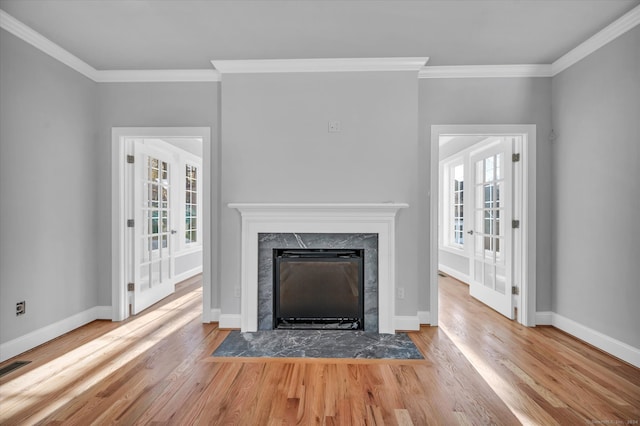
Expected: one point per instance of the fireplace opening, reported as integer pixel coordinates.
(318, 289)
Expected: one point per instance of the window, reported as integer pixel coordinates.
(456, 224)
(191, 204)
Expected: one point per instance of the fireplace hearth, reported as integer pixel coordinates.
(318, 289)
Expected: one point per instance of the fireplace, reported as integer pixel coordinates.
(318, 289)
(263, 223)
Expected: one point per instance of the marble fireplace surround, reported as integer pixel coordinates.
(315, 218)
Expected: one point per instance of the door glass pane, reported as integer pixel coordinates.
(488, 196)
(154, 170)
(165, 172)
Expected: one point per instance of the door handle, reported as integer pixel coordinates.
(470, 232)
(173, 231)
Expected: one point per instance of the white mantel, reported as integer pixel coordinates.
(374, 218)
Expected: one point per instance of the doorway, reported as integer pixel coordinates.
(483, 212)
(161, 217)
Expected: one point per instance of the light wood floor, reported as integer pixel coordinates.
(479, 368)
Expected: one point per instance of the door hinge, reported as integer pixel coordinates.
(515, 157)
(130, 159)
(515, 290)
(130, 223)
(515, 224)
(130, 286)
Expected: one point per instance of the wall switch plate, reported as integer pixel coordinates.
(21, 308)
(236, 292)
(334, 126)
(400, 292)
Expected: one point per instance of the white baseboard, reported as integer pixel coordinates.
(601, 341)
(188, 274)
(214, 316)
(424, 317)
(406, 323)
(455, 274)
(42, 335)
(104, 313)
(230, 321)
(544, 318)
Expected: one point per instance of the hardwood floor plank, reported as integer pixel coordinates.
(542, 374)
(478, 368)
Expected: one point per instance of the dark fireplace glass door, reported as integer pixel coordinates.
(319, 289)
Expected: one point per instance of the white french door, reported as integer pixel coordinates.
(152, 263)
(490, 231)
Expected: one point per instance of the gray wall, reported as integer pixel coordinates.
(144, 105)
(458, 263)
(596, 198)
(48, 208)
(494, 101)
(55, 171)
(276, 148)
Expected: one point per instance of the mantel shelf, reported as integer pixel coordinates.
(270, 208)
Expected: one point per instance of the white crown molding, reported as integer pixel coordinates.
(149, 76)
(625, 23)
(39, 41)
(606, 35)
(485, 71)
(319, 65)
(22, 31)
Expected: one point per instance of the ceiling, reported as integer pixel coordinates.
(188, 34)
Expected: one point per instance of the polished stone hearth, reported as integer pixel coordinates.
(318, 344)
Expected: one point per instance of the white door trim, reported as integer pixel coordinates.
(527, 277)
(118, 213)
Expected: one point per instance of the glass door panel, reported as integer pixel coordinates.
(491, 264)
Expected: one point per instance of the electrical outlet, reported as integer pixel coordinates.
(334, 126)
(21, 308)
(236, 292)
(400, 292)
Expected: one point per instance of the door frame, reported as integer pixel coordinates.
(526, 278)
(119, 297)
